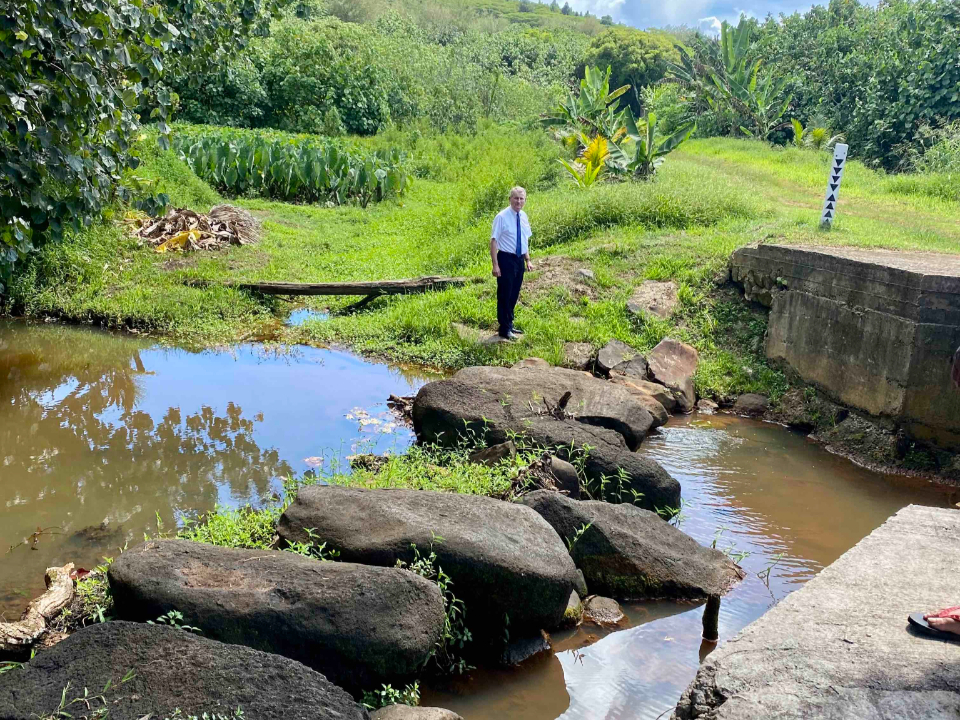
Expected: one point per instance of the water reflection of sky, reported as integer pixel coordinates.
(106, 429)
(300, 398)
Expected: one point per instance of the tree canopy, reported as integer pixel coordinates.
(637, 57)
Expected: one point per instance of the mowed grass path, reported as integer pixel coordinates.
(710, 198)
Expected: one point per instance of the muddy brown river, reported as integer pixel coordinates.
(103, 435)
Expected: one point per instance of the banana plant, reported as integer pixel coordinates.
(586, 171)
(642, 153)
(729, 80)
(739, 82)
(595, 111)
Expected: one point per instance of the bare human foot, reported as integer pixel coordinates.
(947, 620)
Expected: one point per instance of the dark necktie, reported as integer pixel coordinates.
(519, 248)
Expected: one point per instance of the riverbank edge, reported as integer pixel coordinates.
(868, 441)
(831, 649)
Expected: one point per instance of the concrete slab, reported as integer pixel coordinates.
(840, 647)
(918, 286)
(875, 329)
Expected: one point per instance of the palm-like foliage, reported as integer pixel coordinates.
(756, 97)
(592, 160)
(798, 132)
(725, 76)
(642, 153)
(819, 138)
(595, 111)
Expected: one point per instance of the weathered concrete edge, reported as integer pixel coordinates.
(910, 285)
(840, 647)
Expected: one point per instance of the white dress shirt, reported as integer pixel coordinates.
(505, 231)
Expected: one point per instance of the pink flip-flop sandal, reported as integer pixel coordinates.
(919, 622)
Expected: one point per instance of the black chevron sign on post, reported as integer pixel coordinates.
(833, 186)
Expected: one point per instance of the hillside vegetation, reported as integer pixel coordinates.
(451, 94)
(710, 198)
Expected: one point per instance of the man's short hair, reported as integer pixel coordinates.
(517, 190)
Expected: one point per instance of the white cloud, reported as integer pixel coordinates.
(703, 14)
(709, 25)
(599, 8)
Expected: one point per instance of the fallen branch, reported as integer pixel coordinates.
(367, 287)
(17, 637)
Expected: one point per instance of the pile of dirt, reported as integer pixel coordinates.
(184, 229)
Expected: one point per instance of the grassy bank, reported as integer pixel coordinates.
(710, 198)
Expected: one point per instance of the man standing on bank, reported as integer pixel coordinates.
(510, 255)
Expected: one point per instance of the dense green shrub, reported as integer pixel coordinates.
(228, 95)
(670, 104)
(303, 168)
(638, 59)
(317, 74)
(877, 74)
(311, 67)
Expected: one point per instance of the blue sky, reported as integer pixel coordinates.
(703, 14)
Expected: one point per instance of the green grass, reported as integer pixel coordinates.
(710, 198)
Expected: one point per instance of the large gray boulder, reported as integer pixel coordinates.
(171, 669)
(496, 403)
(503, 558)
(629, 553)
(503, 399)
(612, 471)
(673, 364)
(360, 626)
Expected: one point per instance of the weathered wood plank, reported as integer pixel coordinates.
(371, 287)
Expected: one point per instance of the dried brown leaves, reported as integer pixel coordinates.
(184, 229)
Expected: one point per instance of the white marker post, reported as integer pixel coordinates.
(833, 185)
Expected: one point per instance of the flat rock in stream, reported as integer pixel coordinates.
(602, 611)
(406, 712)
(360, 626)
(629, 553)
(552, 407)
(503, 558)
(172, 669)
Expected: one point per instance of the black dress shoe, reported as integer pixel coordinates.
(516, 331)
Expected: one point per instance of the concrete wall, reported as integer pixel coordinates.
(874, 329)
(839, 647)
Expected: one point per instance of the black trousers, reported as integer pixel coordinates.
(508, 288)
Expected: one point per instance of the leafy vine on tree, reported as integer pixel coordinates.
(75, 77)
